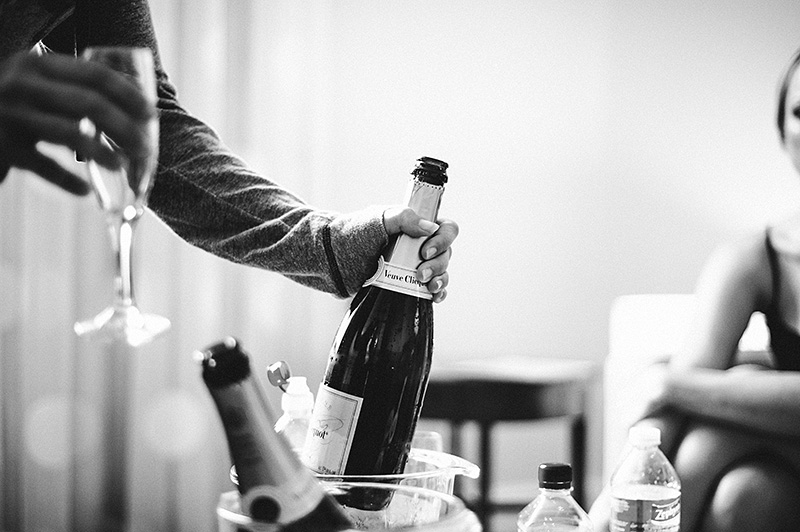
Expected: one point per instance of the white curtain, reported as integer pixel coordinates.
(92, 433)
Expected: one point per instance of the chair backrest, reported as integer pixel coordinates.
(645, 330)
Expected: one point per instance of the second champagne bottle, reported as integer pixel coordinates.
(370, 399)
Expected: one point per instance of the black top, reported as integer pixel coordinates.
(784, 340)
(430, 170)
(555, 475)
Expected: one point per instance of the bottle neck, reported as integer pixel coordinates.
(398, 266)
(556, 491)
(644, 448)
(549, 493)
(274, 484)
(424, 199)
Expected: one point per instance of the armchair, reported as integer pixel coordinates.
(730, 476)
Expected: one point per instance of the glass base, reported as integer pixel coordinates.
(126, 324)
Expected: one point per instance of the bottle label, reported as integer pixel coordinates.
(399, 279)
(651, 515)
(331, 430)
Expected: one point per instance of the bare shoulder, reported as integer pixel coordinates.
(746, 255)
(786, 236)
(741, 265)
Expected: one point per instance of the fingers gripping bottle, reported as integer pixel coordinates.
(554, 509)
(645, 489)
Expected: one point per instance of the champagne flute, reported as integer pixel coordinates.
(122, 194)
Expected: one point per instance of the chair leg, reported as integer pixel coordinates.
(455, 450)
(485, 506)
(578, 457)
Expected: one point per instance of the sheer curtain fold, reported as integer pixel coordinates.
(59, 401)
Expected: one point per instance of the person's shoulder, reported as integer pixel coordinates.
(744, 260)
(748, 251)
(785, 236)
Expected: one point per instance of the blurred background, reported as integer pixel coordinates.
(596, 148)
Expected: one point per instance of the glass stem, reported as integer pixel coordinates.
(122, 242)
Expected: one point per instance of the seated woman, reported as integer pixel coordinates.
(733, 431)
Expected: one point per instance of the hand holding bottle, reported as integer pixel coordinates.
(435, 252)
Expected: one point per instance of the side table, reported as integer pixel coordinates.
(495, 389)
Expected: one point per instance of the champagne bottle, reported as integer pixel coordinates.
(275, 486)
(370, 399)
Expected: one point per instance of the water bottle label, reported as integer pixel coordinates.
(331, 430)
(635, 515)
(400, 279)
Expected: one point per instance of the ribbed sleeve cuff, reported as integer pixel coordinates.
(353, 245)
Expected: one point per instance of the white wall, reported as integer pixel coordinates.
(597, 147)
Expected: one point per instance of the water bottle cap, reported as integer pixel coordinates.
(642, 435)
(553, 475)
(297, 397)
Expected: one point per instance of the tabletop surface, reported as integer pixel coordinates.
(514, 369)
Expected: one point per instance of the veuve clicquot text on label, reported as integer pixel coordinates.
(275, 486)
(370, 399)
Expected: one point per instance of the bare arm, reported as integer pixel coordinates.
(734, 284)
(764, 401)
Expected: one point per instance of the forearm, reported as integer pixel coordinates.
(763, 401)
(213, 201)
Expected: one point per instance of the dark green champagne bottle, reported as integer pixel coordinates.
(274, 485)
(370, 399)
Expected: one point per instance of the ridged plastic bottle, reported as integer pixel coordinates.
(554, 509)
(297, 402)
(275, 486)
(645, 489)
(370, 399)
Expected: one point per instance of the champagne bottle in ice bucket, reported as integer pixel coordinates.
(275, 486)
(370, 399)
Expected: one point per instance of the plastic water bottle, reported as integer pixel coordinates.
(297, 402)
(645, 490)
(554, 509)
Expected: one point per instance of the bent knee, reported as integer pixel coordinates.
(755, 496)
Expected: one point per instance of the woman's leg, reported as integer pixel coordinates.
(715, 465)
(759, 493)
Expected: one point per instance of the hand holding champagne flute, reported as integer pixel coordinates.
(122, 194)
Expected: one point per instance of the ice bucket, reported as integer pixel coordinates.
(411, 508)
(428, 469)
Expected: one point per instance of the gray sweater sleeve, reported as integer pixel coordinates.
(212, 200)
